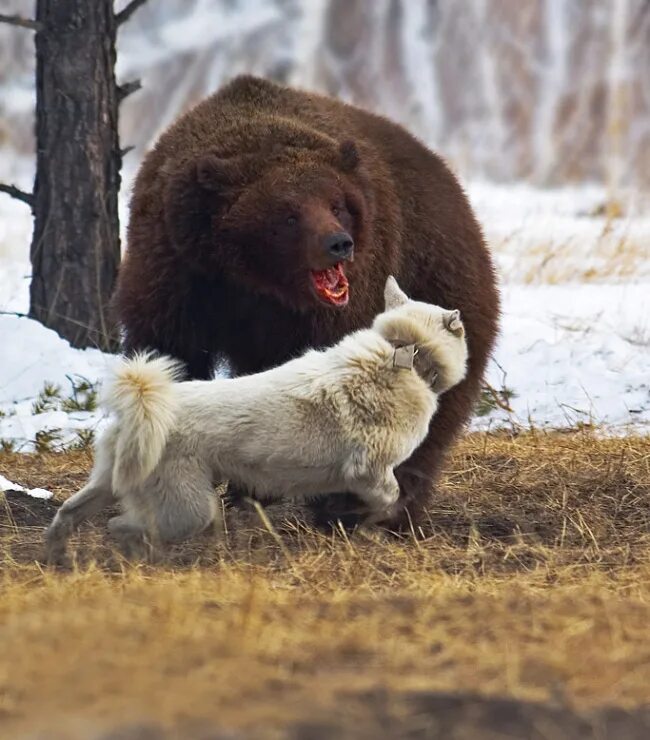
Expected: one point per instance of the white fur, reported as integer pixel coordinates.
(330, 421)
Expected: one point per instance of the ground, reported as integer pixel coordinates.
(520, 609)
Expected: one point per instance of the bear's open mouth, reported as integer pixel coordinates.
(331, 285)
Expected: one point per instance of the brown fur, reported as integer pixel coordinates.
(212, 271)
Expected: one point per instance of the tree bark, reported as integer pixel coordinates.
(75, 248)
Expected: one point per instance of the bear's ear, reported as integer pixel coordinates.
(213, 173)
(394, 296)
(349, 155)
(189, 207)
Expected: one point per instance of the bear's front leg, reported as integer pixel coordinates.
(370, 499)
(345, 509)
(419, 474)
(179, 340)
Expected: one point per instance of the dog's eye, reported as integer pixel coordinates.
(292, 220)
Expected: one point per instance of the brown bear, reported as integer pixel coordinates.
(266, 220)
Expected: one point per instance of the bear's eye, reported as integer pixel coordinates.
(336, 210)
(292, 220)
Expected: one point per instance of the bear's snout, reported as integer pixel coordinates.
(339, 246)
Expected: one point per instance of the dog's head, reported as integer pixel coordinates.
(438, 333)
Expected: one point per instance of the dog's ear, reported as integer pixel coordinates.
(453, 323)
(394, 296)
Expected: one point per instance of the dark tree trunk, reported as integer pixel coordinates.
(75, 248)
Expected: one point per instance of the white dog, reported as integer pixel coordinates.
(336, 420)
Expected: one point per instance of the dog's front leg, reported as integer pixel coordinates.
(379, 493)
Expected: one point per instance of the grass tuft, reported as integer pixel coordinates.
(48, 399)
(83, 396)
(47, 440)
(7, 445)
(84, 440)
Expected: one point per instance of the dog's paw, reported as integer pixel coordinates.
(388, 498)
(382, 498)
(381, 515)
(131, 539)
(54, 551)
(137, 550)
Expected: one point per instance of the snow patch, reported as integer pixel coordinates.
(7, 485)
(574, 354)
(37, 357)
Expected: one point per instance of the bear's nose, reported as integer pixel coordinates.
(339, 245)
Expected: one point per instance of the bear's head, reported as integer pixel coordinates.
(287, 224)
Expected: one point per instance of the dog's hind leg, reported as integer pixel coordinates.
(92, 498)
(178, 502)
(187, 504)
(132, 537)
(96, 495)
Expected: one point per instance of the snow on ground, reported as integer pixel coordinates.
(7, 485)
(48, 390)
(574, 354)
(575, 343)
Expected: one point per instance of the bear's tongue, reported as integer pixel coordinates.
(331, 285)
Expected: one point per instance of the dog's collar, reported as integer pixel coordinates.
(408, 357)
(404, 356)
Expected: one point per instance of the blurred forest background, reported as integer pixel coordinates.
(546, 91)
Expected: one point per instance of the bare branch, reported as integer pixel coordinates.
(126, 150)
(15, 192)
(130, 9)
(17, 20)
(123, 91)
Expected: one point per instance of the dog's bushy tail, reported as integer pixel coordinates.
(142, 394)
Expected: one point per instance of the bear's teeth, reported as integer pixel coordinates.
(330, 277)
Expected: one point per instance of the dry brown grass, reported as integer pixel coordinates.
(530, 582)
(609, 243)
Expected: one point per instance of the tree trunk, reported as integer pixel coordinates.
(75, 248)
